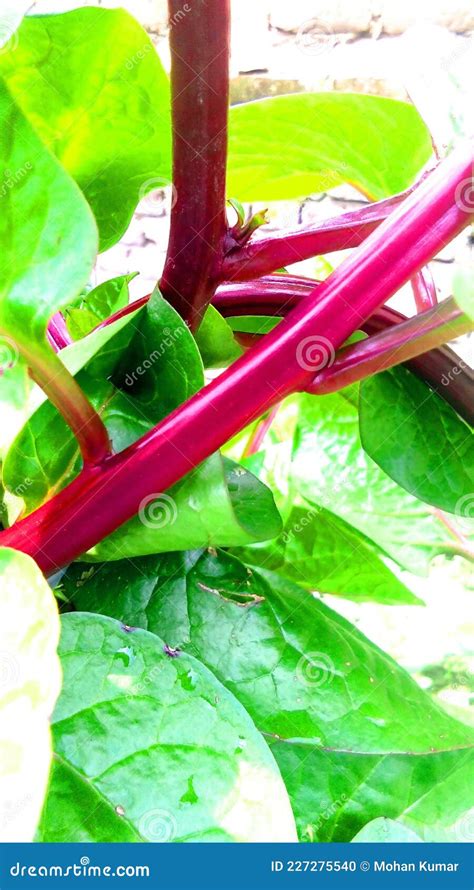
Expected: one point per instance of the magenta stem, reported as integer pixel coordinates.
(101, 499)
(57, 332)
(200, 47)
(393, 346)
(264, 254)
(424, 290)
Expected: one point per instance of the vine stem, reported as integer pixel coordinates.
(63, 391)
(200, 48)
(424, 290)
(263, 254)
(102, 498)
(392, 347)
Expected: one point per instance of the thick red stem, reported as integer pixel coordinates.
(98, 501)
(200, 41)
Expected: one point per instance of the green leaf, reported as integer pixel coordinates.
(385, 831)
(216, 341)
(149, 746)
(219, 504)
(91, 83)
(320, 552)
(97, 304)
(343, 719)
(47, 233)
(253, 324)
(417, 438)
(291, 146)
(334, 794)
(30, 681)
(330, 468)
(15, 392)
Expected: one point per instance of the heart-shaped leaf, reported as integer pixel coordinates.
(150, 746)
(92, 85)
(354, 735)
(291, 146)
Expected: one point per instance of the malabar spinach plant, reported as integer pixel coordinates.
(189, 468)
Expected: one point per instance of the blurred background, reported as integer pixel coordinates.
(416, 50)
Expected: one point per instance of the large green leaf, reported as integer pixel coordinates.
(30, 678)
(93, 86)
(48, 238)
(349, 728)
(150, 746)
(417, 438)
(320, 552)
(335, 793)
(330, 468)
(291, 146)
